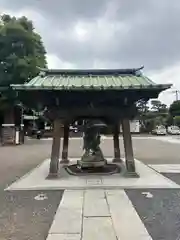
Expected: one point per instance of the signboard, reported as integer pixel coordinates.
(8, 134)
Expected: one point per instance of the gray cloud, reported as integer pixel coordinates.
(115, 33)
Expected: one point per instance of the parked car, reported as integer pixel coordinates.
(173, 130)
(73, 129)
(159, 130)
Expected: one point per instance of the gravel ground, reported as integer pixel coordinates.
(175, 177)
(160, 214)
(21, 216)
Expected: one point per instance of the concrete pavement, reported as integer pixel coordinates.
(148, 149)
(120, 213)
(97, 214)
(37, 179)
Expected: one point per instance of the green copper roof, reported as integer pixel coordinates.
(90, 80)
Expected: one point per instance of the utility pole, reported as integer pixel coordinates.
(176, 94)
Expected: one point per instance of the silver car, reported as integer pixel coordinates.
(173, 130)
(159, 130)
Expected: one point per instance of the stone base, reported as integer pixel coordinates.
(131, 175)
(107, 169)
(91, 164)
(36, 179)
(52, 176)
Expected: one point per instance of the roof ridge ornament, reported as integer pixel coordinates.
(42, 74)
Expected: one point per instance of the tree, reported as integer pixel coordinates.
(143, 109)
(174, 109)
(169, 120)
(157, 106)
(150, 117)
(142, 106)
(21, 51)
(177, 121)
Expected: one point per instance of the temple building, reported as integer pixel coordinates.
(109, 95)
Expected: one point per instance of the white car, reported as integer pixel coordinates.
(173, 130)
(74, 129)
(159, 130)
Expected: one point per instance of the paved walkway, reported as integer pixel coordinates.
(166, 168)
(97, 214)
(118, 214)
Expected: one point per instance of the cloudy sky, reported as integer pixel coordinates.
(108, 34)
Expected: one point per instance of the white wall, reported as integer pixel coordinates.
(134, 126)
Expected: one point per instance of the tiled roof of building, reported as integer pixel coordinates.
(93, 79)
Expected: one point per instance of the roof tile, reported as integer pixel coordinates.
(89, 81)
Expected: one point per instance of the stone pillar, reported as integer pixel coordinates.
(65, 144)
(117, 154)
(54, 164)
(129, 156)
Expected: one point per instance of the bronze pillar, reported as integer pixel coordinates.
(54, 164)
(65, 144)
(129, 156)
(117, 154)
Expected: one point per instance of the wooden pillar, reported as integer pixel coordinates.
(117, 154)
(65, 144)
(129, 156)
(54, 164)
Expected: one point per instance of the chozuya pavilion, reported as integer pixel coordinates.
(106, 94)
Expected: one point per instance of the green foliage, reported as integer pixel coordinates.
(177, 121)
(174, 109)
(151, 123)
(169, 120)
(3, 99)
(151, 117)
(159, 120)
(142, 109)
(21, 51)
(142, 106)
(157, 106)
